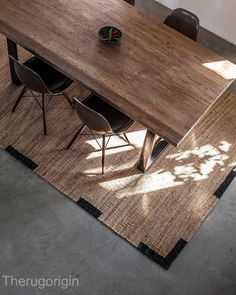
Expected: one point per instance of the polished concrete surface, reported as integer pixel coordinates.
(44, 234)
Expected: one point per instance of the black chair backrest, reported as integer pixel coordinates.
(92, 119)
(29, 78)
(184, 22)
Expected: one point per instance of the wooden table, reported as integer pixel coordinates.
(157, 76)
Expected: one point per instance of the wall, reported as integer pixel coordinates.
(217, 16)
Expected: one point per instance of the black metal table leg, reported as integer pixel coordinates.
(151, 150)
(12, 50)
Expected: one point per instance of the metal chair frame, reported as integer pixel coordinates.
(45, 91)
(103, 147)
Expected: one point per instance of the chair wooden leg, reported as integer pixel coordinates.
(103, 152)
(67, 97)
(44, 115)
(19, 99)
(76, 135)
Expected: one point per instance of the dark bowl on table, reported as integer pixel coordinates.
(110, 35)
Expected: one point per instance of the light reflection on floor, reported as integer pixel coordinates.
(233, 165)
(192, 165)
(117, 156)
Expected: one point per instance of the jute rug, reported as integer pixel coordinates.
(159, 211)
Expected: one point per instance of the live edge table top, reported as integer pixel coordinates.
(156, 75)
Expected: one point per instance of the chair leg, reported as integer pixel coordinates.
(67, 98)
(19, 99)
(103, 152)
(76, 135)
(126, 138)
(44, 115)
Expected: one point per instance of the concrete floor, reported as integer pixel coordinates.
(44, 234)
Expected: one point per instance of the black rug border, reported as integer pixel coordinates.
(225, 184)
(166, 261)
(21, 157)
(87, 206)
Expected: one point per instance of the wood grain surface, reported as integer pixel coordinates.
(157, 76)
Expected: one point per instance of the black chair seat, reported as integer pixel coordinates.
(117, 120)
(55, 81)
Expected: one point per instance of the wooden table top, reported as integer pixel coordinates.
(157, 76)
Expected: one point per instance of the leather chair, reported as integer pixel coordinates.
(101, 118)
(184, 22)
(38, 76)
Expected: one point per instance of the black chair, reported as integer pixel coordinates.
(38, 76)
(101, 118)
(184, 22)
